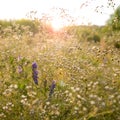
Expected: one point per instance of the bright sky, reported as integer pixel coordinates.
(83, 13)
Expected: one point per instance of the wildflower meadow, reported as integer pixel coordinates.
(71, 74)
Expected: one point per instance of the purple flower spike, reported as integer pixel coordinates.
(53, 85)
(35, 73)
(36, 81)
(34, 65)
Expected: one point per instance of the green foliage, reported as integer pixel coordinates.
(18, 26)
(32, 24)
(114, 20)
(117, 44)
(4, 23)
(89, 38)
(85, 33)
(96, 38)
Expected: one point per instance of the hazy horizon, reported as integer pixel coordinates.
(82, 11)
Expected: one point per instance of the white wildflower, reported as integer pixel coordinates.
(92, 102)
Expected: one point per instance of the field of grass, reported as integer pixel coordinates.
(77, 79)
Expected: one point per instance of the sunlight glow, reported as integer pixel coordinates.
(56, 24)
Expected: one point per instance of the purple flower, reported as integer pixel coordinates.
(35, 73)
(53, 85)
(34, 65)
(20, 69)
(19, 58)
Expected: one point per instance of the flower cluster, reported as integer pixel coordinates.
(35, 73)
